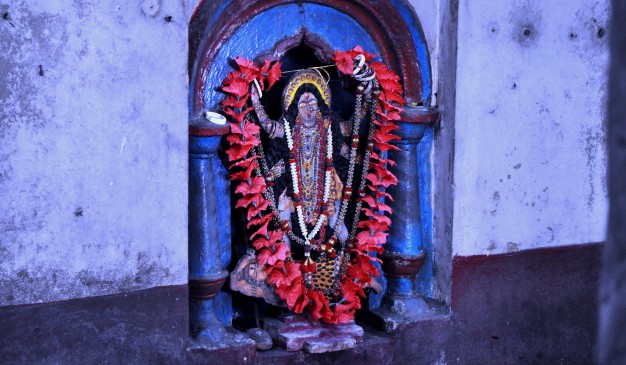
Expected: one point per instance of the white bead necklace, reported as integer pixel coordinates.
(308, 236)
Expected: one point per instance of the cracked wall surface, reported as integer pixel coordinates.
(530, 158)
(93, 148)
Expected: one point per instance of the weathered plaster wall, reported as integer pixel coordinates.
(445, 58)
(439, 24)
(529, 155)
(93, 148)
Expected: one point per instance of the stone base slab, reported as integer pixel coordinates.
(296, 333)
(395, 313)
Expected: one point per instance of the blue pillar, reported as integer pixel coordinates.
(210, 308)
(404, 245)
(404, 252)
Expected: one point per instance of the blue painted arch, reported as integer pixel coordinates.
(247, 42)
(237, 26)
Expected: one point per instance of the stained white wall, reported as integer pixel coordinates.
(93, 148)
(529, 154)
(522, 126)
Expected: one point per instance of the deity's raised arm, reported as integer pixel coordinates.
(271, 127)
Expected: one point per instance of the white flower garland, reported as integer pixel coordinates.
(296, 188)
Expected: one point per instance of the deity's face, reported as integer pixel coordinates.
(308, 108)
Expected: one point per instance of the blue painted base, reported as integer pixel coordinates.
(213, 333)
(203, 322)
(396, 311)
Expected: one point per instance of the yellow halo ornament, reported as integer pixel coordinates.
(312, 77)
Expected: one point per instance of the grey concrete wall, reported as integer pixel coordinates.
(93, 147)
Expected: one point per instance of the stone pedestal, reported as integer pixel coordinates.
(296, 333)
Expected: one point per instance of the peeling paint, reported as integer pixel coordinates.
(512, 246)
(593, 140)
(122, 146)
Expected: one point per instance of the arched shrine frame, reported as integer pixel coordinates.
(395, 31)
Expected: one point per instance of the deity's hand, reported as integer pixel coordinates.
(363, 73)
(254, 95)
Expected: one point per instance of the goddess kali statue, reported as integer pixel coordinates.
(312, 183)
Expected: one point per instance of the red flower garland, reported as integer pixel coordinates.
(287, 275)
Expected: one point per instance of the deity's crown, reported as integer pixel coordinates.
(312, 77)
